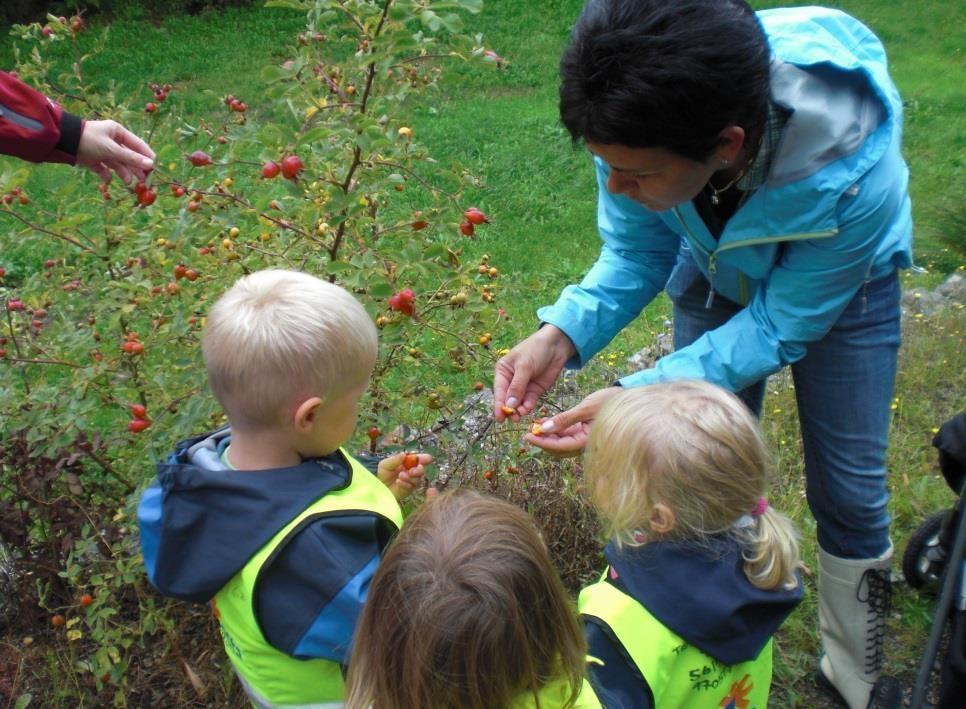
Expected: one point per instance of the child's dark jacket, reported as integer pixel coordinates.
(700, 593)
(201, 523)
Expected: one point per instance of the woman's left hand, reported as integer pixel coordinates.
(566, 433)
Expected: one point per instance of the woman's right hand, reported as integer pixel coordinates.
(528, 370)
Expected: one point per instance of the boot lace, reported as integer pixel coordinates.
(875, 590)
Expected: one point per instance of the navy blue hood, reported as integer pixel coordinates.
(200, 522)
(702, 594)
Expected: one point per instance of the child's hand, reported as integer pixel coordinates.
(403, 472)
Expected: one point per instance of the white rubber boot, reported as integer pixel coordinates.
(854, 597)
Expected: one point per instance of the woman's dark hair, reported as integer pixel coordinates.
(664, 73)
(465, 612)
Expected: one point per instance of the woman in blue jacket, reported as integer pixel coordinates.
(750, 166)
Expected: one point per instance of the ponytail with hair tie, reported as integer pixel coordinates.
(772, 554)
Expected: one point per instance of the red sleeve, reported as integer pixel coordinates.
(34, 128)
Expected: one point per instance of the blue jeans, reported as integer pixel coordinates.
(843, 388)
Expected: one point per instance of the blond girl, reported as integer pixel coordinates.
(702, 570)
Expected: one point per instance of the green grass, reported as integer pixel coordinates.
(540, 192)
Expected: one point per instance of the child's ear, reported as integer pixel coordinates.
(662, 519)
(305, 414)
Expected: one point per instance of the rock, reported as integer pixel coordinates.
(927, 302)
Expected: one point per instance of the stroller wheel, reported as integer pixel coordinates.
(925, 557)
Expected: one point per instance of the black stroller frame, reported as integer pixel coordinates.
(937, 552)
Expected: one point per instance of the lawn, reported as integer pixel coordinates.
(539, 190)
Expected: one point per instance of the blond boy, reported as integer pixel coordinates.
(269, 518)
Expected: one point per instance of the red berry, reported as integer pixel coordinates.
(191, 275)
(138, 425)
(200, 158)
(3, 272)
(410, 461)
(193, 206)
(40, 313)
(475, 216)
(419, 224)
(150, 107)
(139, 411)
(23, 199)
(292, 166)
(50, 263)
(373, 433)
(402, 301)
(180, 271)
(488, 475)
(147, 197)
(177, 190)
(57, 620)
(270, 170)
(466, 226)
(85, 600)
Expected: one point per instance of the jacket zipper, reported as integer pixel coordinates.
(20, 120)
(713, 255)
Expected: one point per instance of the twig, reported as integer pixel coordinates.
(44, 361)
(411, 173)
(64, 237)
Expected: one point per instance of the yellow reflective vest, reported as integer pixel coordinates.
(271, 677)
(679, 675)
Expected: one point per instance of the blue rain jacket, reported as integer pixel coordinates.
(833, 213)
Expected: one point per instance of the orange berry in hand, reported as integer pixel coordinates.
(410, 461)
(507, 410)
(536, 429)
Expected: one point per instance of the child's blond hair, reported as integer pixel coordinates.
(465, 612)
(698, 450)
(280, 334)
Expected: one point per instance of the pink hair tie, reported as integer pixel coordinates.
(760, 507)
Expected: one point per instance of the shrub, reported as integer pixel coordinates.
(100, 371)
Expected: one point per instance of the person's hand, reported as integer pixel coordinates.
(401, 480)
(528, 370)
(107, 146)
(566, 433)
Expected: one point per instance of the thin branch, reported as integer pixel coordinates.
(45, 361)
(64, 237)
(424, 57)
(420, 180)
(352, 17)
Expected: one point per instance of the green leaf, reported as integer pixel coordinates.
(273, 73)
(453, 22)
(23, 701)
(380, 289)
(430, 20)
(289, 4)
